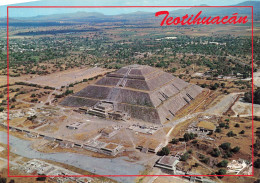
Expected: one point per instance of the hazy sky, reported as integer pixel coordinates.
(109, 11)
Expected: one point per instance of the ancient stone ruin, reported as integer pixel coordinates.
(135, 91)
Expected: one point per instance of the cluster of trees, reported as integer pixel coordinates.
(223, 163)
(185, 156)
(188, 136)
(115, 54)
(204, 159)
(222, 125)
(257, 163)
(227, 150)
(231, 134)
(248, 96)
(221, 172)
(67, 92)
(164, 152)
(4, 180)
(34, 100)
(215, 152)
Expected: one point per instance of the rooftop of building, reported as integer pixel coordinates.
(168, 160)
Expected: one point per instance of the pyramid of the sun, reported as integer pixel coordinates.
(143, 92)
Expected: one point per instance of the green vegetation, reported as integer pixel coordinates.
(185, 156)
(223, 163)
(67, 92)
(164, 152)
(231, 134)
(237, 125)
(174, 141)
(215, 152)
(248, 96)
(221, 172)
(235, 149)
(189, 136)
(257, 163)
(225, 146)
(242, 132)
(230, 58)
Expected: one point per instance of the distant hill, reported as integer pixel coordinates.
(225, 11)
(91, 17)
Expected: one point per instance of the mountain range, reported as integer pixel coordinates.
(81, 17)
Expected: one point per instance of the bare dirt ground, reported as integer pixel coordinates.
(64, 78)
(12, 80)
(223, 105)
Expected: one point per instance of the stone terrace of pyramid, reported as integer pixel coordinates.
(142, 92)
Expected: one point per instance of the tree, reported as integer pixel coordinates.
(215, 152)
(175, 141)
(188, 136)
(222, 125)
(242, 132)
(164, 151)
(205, 160)
(41, 178)
(225, 146)
(221, 172)
(190, 151)
(237, 125)
(195, 141)
(223, 163)
(248, 96)
(67, 92)
(229, 154)
(2, 109)
(218, 130)
(13, 100)
(235, 149)
(196, 165)
(185, 156)
(257, 163)
(2, 180)
(231, 134)
(214, 87)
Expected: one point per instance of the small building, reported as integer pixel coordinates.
(75, 125)
(33, 135)
(108, 132)
(235, 166)
(83, 109)
(167, 164)
(194, 178)
(111, 149)
(152, 145)
(66, 144)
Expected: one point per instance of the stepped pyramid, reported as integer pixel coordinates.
(141, 92)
